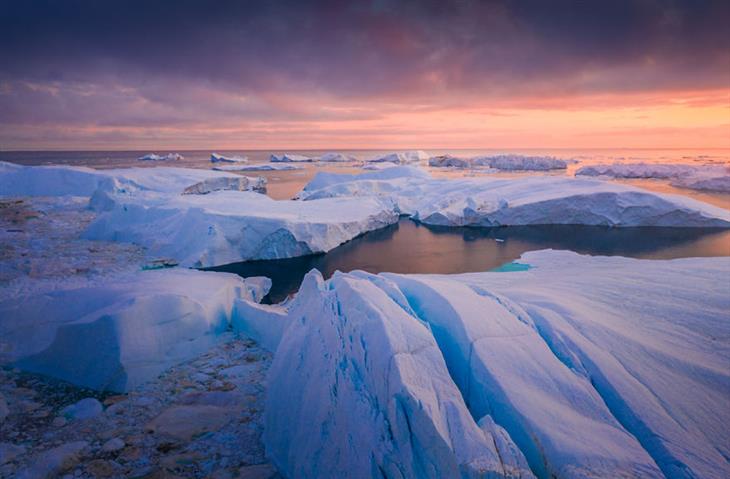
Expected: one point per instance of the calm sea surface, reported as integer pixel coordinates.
(408, 247)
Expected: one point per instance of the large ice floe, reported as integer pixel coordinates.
(501, 162)
(290, 158)
(166, 157)
(578, 366)
(697, 177)
(522, 201)
(123, 330)
(401, 158)
(259, 167)
(216, 158)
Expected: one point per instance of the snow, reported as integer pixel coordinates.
(401, 158)
(582, 366)
(520, 201)
(348, 398)
(501, 162)
(237, 183)
(120, 331)
(230, 226)
(336, 158)
(290, 158)
(216, 158)
(639, 170)
(378, 166)
(520, 162)
(167, 157)
(16, 180)
(259, 167)
(719, 183)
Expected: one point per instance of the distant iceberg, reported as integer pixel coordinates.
(401, 158)
(167, 157)
(718, 182)
(216, 158)
(501, 162)
(523, 201)
(714, 178)
(259, 167)
(290, 158)
(336, 158)
(555, 371)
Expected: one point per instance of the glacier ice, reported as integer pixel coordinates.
(354, 360)
(578, 366)
(501, 162)
(259, 167)
(290, 158)
(155, 157)
(123, 330)
(216, 158)
(401, 158)
(520, 201)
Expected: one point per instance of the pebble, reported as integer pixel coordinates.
(87, 408)
(113, 445)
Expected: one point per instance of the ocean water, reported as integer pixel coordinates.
(408, 247)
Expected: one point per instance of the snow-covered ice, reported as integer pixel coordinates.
(230, 226)
(348, 396)
(259, 167)
(584, 366)
(501, 162)
(155, 157)
(639, 170)
(335, 158)
(401, 158)
(521, 201)
(123, 330)
(290, 158)
(718, 182)
(216, 158)
(234, 183)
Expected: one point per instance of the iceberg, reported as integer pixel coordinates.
(290, 158)
(335, 158)
(16, 180)
(639, 170)
(167, 157)
(501, 162)
(347, 396)
(628, 346)
(259, 167)
(231, 226)
(378, 166)
(522, 201)
(520, 162)
(238, 183)
(123, 330)
(216, 158)
(448, 161)
(719, 182)
(577, 366)
(401, 158)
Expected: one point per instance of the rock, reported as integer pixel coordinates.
(54, 461)
(259, 471)
(184, 422)
(100, 468)
(113, 445)
(60, 421)
(4, 410)
(85, 409)
(8, 452)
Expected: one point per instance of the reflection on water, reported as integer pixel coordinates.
(408, 247)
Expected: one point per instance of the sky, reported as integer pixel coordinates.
(128, 74)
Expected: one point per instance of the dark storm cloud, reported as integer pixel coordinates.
(172, 60)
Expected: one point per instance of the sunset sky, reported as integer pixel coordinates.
(367, 74)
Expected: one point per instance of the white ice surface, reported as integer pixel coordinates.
(155, 157)
(348, 397)
(259, 167)
(290, 158)
(216, 158)
(123, 330)
(230, 226)
(520, 201)
(587, 366)
(501, 162)
(401, 158)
